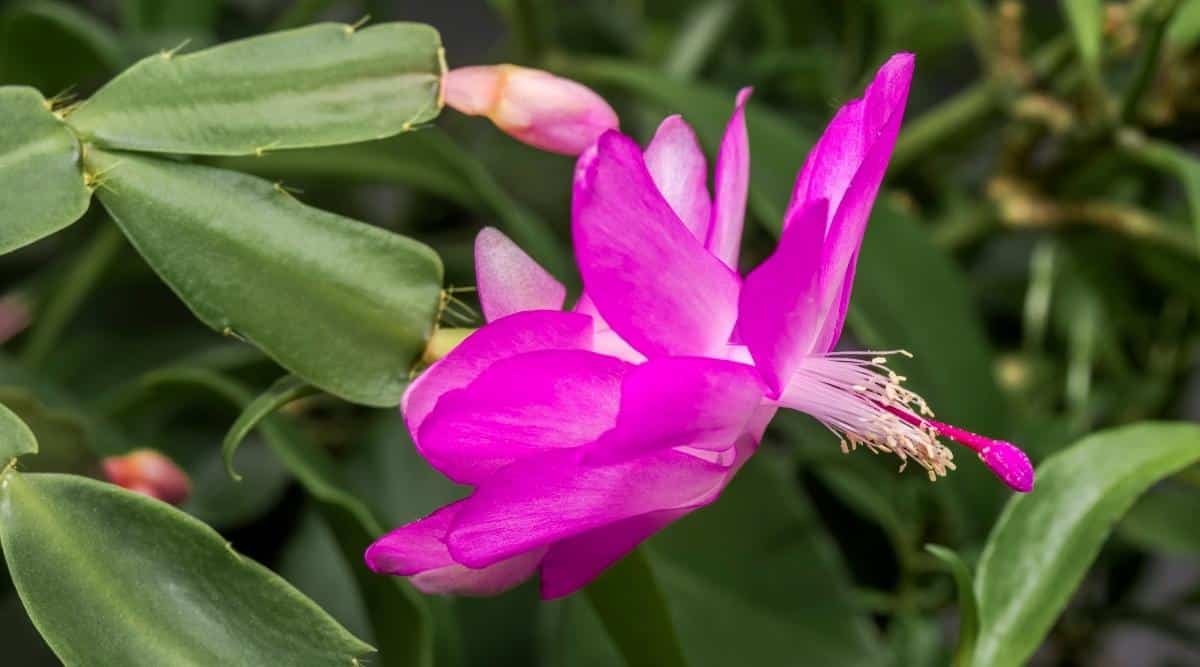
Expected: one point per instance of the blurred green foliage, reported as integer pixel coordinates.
(1036, 249)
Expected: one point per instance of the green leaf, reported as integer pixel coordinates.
(54, 46)
(111, 577)
(283, 391)
(968, 607)
(1086, 18)
(16, 439)
(759, 560)
(1044, 542)
(400, 618)
(645, 637)
(42, 188)
(344, 305)
(316, 86)
(429, 161)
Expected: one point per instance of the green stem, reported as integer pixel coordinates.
(1156, 23)
(980, 31)
(700, 34)
(65, 299)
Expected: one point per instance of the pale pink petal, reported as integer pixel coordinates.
(703, 404)
(604, 339)
(649, 277)
(780, 311)
(538, 501)
(522, 406)
(510, 281)
(506, 337)
(573, 563)
(417, 550)
(732, 181)
(677, 165)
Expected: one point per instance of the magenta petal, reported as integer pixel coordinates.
(506, 337)
(732, 181)
(538, 501)
(417, 550)
(677, 165)
(671, 402)
(522, 406)
(509, 281)
(604, 339)
(649, 277)
(780, 310)
(414, 547)
(846, 167)
(573, 563)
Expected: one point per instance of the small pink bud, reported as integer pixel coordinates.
(533, 106)
(14, 316)
(149, 473)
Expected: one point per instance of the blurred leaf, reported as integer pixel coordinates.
(215, 498)
(16, 439)
(646, 638)
(1086, 18)
(41, 184)
(1157, 522)
(429, 161)
(320, 85)
(399, 617)
(112, 577)
(1184, 30)
(155, 15)
(344, 305)
(313, 563)
(573, 636)
(283, 391)
(915, 641)
(53, 46)
(968, 607)
(1172, 160)
(61, 444)
(759, 560)
(1044, 542)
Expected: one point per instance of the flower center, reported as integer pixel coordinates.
(864, 403)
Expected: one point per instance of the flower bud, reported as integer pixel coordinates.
(149, 473)
(533, 106)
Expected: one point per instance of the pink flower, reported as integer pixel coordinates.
(533, 106)
(585, 432)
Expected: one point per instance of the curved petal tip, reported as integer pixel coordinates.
(1010, 464)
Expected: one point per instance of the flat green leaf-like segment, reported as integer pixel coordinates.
(41, 182)
(344, 305)
(316, 86)
(1045, 541)
(110, 577)
(15, 437)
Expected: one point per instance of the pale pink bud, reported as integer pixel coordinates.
(533, 106)
(149, 473)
